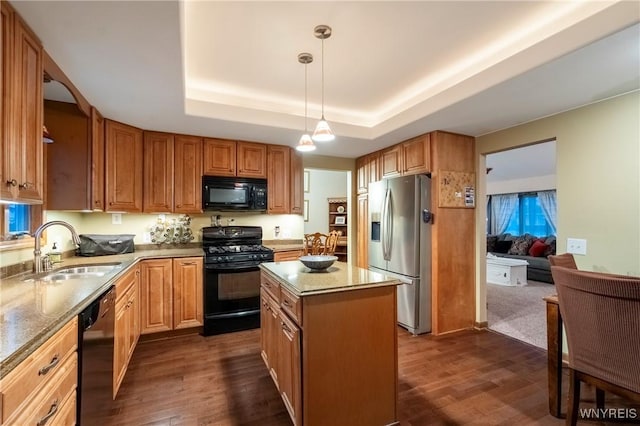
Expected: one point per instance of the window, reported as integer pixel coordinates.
(17, 223)
(528, 217)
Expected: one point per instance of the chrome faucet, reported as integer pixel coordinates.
(37, 259)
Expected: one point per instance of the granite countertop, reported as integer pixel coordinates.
(32, 311)
(340, 276)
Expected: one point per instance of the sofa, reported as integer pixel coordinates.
(526, 247)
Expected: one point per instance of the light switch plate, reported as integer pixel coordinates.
(116, 218)
(576, 246)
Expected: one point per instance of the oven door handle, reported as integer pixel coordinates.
(236, 314)
(231, 269)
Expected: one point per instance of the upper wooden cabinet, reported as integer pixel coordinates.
(362, 175)
(22, 163)
(391, 161)
(158, 172)
(285, 178)
(234, 158)
(75, 161)
(172, 173)
(279, 163)
(297, 183)
(219, 157)
(123, 164)
(416, 155)
(187, 174)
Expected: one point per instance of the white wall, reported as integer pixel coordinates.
(323, 184)
(532, 184)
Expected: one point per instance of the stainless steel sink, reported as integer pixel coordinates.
(76, 272)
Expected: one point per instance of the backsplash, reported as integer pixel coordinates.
(291, 227)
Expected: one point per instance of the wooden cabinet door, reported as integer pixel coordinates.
(362, 174)
(187, 292)
(278, 180)
(269, 333)
(375, 172)
(362, 231)
(416, 155)
(97, 160)
(28, 113)
(158, 172)
(7, 188)
(282, 256)
(391, 161)
(297, 183)
(133, 315)
(289, 368)
(156, 296)
(252, 160)
(123, 164)
(121, 345)
(188, 174)
(219, 157)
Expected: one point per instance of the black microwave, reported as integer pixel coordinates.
(234, 194)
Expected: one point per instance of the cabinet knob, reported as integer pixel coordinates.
(12, 182)
(25, 185)
(178, 206)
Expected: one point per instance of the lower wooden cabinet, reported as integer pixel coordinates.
(171, 294)
(332, 356)
(187, 292)
(127, 324)
(42, 388)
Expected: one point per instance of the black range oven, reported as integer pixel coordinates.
(232, 277)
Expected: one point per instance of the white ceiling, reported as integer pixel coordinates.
(393, 69)
(536, 160)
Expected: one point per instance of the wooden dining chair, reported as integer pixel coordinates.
(601, 313)
(321, 244)
(565, 260)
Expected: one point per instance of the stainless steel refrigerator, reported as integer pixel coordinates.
(400, 244)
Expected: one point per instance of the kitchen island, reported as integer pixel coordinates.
(329, 340)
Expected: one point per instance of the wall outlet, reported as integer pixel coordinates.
(146, 237)
(577, 246)
(116, 218)
(286, 233)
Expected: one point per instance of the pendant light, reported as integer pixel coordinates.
(323, 132)
(305, 144)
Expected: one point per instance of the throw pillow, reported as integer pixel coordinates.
(491, 243)
(538, 248)
(521, 245)
(502, 246)
(551, 249)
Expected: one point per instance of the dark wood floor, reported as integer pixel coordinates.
(467, 378)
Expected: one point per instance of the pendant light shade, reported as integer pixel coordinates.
(323, 131)
(306, 143)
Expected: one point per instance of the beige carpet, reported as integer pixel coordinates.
(519, 312)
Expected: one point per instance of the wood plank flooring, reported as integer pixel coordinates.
(466, 378)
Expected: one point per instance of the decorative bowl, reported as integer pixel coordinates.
(318, 262)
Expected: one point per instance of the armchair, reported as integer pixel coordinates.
(601, 313)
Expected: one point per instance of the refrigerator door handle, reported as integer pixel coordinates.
(387, 223)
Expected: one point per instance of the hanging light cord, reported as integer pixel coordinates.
(305, 98)
(323, 78)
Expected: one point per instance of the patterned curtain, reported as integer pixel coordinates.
(547, 200)
(503, 206)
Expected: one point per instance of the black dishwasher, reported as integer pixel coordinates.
(95, 360)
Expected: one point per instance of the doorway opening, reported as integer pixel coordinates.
(521, 230)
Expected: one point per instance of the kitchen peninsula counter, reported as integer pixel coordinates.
(329, 341)
(32, 310)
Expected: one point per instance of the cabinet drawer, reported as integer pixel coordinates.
(291, 304)
(20, 386)
(50, 404)
(281, 256)
(271, 285)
